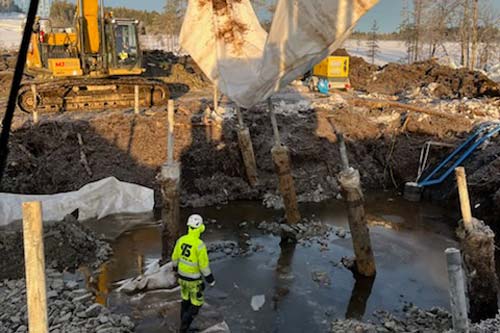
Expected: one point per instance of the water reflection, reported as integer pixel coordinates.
(359, 297)
(284, 277)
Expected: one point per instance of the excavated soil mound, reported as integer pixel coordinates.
(181, 72)
(67, 244)
(395, 79)
(46, 158)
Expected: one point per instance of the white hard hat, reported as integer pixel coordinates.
(195, 221)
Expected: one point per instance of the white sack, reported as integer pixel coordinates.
(233, 50)
(95, 200)
(154, 278)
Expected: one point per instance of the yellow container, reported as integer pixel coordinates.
(332, 67)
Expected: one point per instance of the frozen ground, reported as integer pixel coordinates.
(11, 25)
(390, 51)
(395, 51)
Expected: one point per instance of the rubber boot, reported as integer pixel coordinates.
(188, 317)
(185, 305)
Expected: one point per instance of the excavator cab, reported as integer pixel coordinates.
(124, 54)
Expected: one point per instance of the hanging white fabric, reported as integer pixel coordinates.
(225, 39)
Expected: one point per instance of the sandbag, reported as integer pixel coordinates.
(95, 200)
(225, 39)
(155, 277)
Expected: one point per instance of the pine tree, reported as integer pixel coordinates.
(372, 43)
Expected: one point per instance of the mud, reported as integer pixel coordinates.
(383, 144)
(182, 73)
(395, 79)
(68, 244)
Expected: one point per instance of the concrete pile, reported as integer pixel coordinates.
(70, 309)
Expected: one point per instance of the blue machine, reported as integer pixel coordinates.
(460, 154)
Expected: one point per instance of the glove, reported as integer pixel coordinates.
(210, 280)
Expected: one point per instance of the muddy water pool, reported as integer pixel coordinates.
(305, 286)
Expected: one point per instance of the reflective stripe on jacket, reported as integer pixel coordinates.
(190, 256)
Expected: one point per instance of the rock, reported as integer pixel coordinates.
(258, 302)
(322, 278)
(93, 310)
(341, 233)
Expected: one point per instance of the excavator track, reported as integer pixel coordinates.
(91, 94)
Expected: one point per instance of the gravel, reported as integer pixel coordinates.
(70, 309)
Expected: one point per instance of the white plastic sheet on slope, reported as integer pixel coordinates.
(94, 200)
(225, 39)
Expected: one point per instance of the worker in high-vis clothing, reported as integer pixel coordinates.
(190, 260)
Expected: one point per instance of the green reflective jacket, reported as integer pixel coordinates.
(190, 256)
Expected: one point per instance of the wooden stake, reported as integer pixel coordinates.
(35, 267)
(350, 182)
(170, 178)
(464, 198)
(282, 165)
(458, 300)
(170, 135)
(136, 101)
(216, 97)
(35, 104)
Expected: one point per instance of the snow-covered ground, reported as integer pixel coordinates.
(11, 29)
(11, 25)
(395, 51)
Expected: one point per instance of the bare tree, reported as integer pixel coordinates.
(465, 33)
(372, 43)
(406, 30)
(475, 22)
(418, 6)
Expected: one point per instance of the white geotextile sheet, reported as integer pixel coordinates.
(225, 39)
(95, 200)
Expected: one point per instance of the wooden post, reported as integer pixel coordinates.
(170, 188)
(282, 165)
(246, 148)
(477, 242)
(458, 301)
(464, 198)
(170, 178)
(35, 104)
(216, 97)
(34, 260)
(140, 264)
(136, 99)
(170, 133)
(350, 182)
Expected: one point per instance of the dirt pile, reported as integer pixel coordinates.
(69, 309)
(45, 158)
(396, 79)
(182, 72)
(68, 244)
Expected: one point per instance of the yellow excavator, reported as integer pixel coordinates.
(95, 65)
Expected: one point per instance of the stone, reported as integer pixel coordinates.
(94, 310)
(258, 302)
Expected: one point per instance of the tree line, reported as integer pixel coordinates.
(475, 25)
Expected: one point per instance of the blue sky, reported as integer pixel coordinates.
(387, 12)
